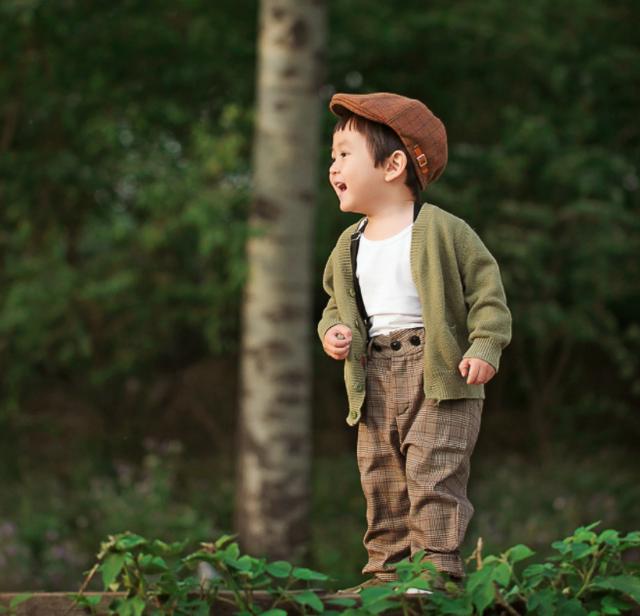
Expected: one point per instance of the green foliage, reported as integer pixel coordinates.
(49, 529)
(178, 245)
(12, 608)
(124, 192)
(587, 576)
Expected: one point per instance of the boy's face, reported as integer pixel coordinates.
(357, 182)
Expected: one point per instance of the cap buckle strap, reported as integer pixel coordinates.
(421, 158)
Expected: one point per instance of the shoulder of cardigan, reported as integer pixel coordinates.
(429, 211)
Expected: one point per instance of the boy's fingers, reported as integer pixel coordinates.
(341, 339)
(462, 367)
(339, 351)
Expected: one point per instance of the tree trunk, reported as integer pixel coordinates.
(274, 440)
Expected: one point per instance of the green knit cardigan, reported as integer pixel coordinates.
(464, 306)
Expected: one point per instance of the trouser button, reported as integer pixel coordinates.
(415, 340)
(395, 345)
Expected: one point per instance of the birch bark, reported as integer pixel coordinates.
(274, 440)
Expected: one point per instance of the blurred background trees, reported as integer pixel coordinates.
(125, 173)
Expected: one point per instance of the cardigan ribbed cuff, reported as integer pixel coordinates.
(327, 324)
(486, 349)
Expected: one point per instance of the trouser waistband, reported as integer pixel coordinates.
(396, 343)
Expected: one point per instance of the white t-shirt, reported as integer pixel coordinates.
(389, 294)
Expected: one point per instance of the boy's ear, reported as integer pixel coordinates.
(395, 164)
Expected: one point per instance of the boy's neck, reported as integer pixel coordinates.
(389, 220)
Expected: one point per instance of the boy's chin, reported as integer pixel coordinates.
(348, 206)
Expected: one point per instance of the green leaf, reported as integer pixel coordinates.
(152, 564)
(633, 537)
(417, 582)
(374, 594)
(375, 608)
(343, 602)
(580, 550)
(613, 605)
(225, 539)
(610, 537)
(585, 536)
(18, 599)
(542, 603)
(534, 574)
(458, 606)
(137, 606)
(110, 568)
(93, 600)
(308, 597)
(232, 551)
(480, 587)
(85, 600)
(130, 607)
(129, 541)
(561, 546)
(244, 563)
(418, 556)
(536, 569)
(519, 552)
(627, 584)
(167, 549)
(587, 528)
(274, 612)
(302, 573)
(571, 607)
(501, 574)
(279, 569)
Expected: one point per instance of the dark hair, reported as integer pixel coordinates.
(382, 142)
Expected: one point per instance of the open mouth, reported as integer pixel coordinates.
(341, 187)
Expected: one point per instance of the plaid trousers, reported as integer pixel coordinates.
(414, 460)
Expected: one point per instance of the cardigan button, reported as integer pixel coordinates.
(359, 387)
(356, 323)
(352, 292)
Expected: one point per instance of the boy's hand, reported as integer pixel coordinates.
(337, 341)
(479, 371)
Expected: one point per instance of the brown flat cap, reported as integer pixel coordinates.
(422, 133)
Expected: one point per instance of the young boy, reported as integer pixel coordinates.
(421, 327)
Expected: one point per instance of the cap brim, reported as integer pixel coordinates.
(341, 104)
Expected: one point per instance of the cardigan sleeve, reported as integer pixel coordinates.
(330, 314)
(488, 317)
